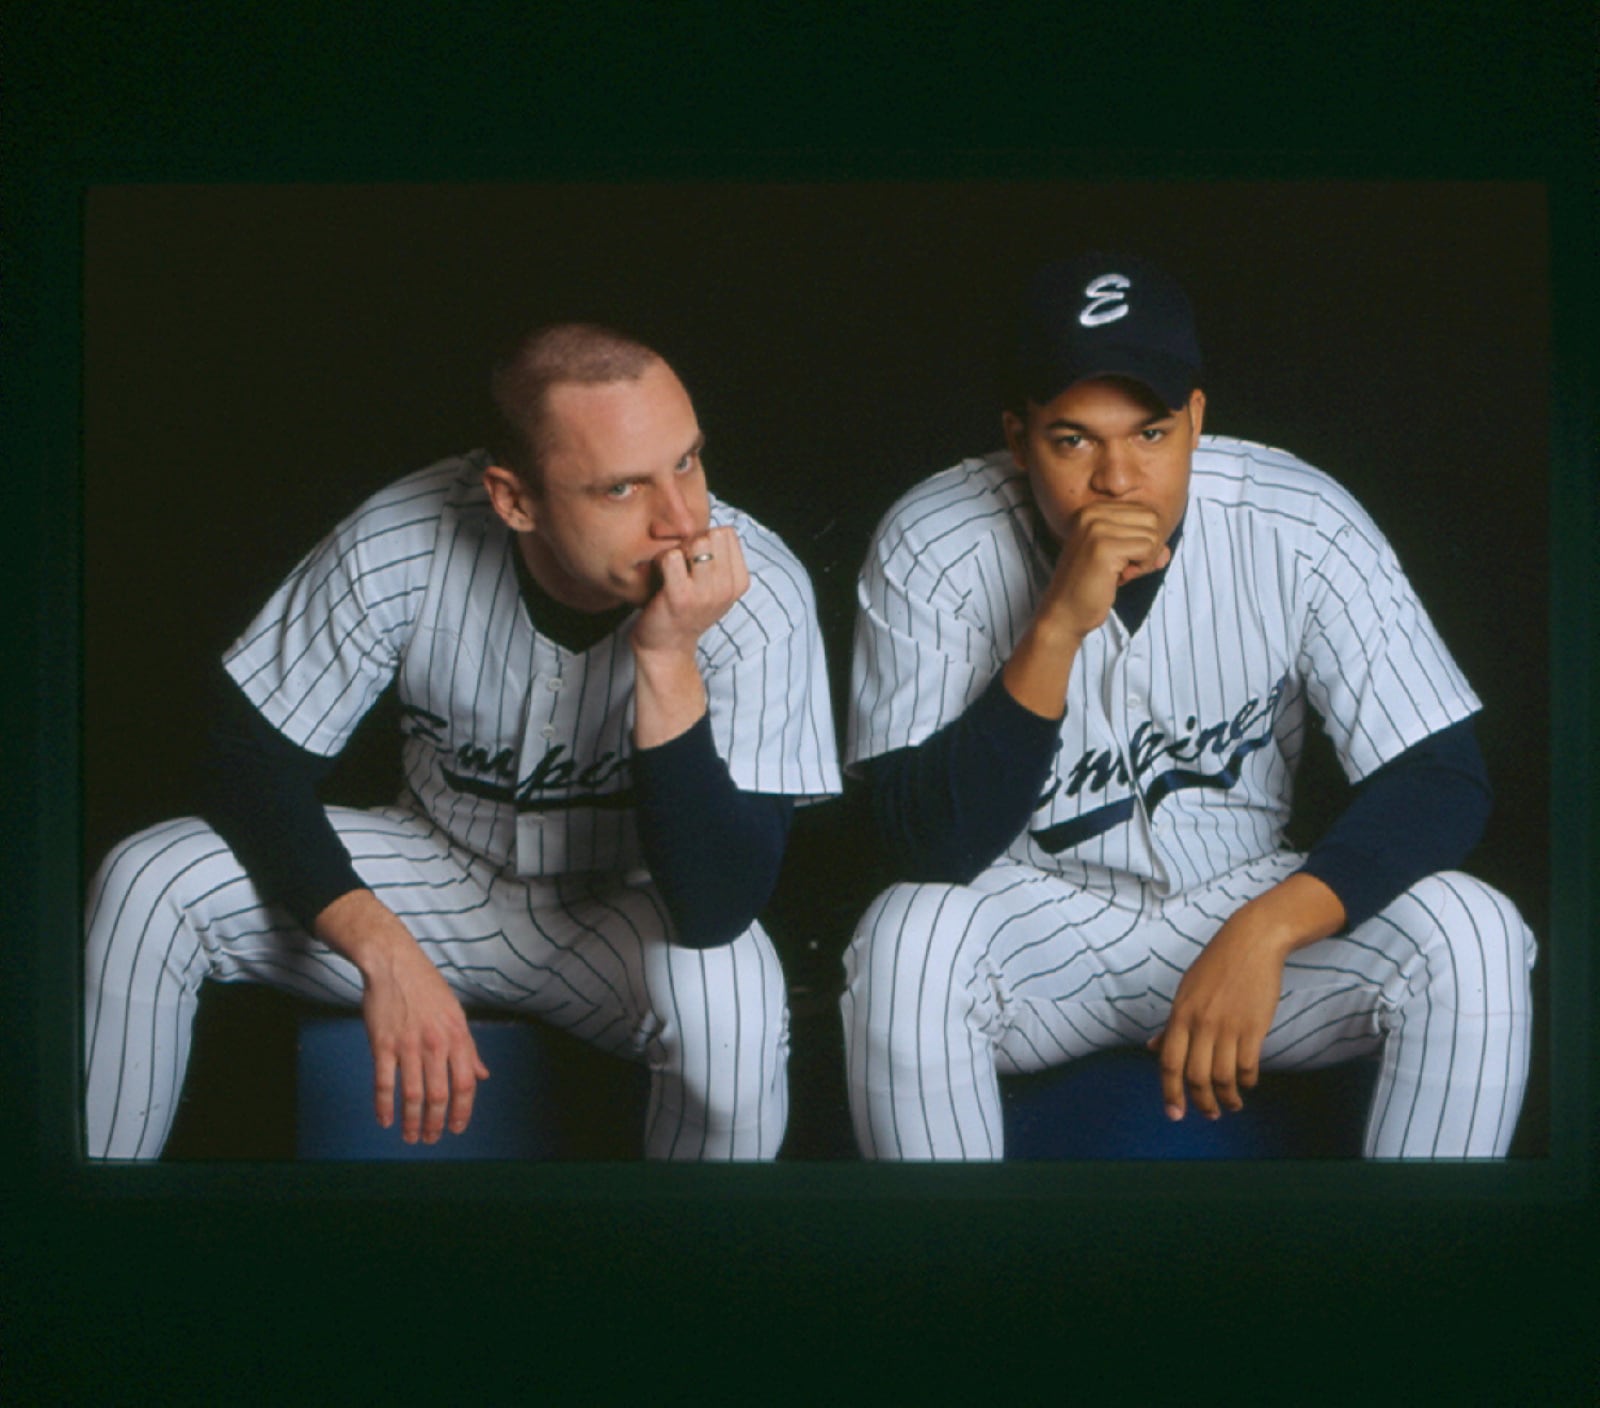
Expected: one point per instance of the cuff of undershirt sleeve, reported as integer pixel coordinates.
(1363, 886)
(316, 892)
(1000, 719)
(686, 765)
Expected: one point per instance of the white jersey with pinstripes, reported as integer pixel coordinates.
(515, 747)
(1179, 745)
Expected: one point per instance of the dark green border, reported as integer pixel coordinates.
(120, 1268)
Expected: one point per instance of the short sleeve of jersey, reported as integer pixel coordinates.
(946, 580)
(330, 638)
(766, 677)
(1376, 669)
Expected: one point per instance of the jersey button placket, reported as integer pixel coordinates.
(552, 685)
(1136, 695)
(1137, 683)
(545, 732)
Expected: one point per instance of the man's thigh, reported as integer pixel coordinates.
(439, 893)
(524, 943)
(1051, 971)
(1333, 992)
(1330, 992)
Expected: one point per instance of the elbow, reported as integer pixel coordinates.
(700, 925)
(928, 852)
(711, 911)
(702, 937)
(939, 865)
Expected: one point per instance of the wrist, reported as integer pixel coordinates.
(669, 696)
(1055, 628)
(1040, 668)
(666, 666)
(1295, 912)
(360, 927)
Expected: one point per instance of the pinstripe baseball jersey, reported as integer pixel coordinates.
(516, 747)
(1180, 740)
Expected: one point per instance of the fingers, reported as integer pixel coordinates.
(712, 564)
(435, 1093)
(1129, 550)
(1108, 545)
(1143, 566)
(700, 579)
(383, 1085)
(1203, 1069)
(1249, 1070)
(1197, 1076)
(1224, 1078)
(450, 1085)
(410, 1093)
(1173, 1044)
(438, 1085)
(466, 1070)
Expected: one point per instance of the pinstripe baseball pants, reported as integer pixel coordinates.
(950, 986)
(171, 907)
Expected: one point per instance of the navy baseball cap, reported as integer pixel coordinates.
(1106, 315)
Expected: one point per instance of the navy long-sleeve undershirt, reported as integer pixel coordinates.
(713, 850)
(258, 791)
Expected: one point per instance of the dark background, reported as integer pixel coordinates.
(258, 358)
(262, 1281)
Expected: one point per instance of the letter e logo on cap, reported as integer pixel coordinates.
(1106, 300)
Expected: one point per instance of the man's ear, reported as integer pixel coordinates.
(1197, 410)
(511, 498)
(1016, 434)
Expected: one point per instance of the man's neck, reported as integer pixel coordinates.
(568, 626)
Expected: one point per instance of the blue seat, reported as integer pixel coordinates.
(551, 1097)
(548, 1097)
(1108, 1106)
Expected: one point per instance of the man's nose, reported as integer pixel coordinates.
(673, 518)
(1116, 470)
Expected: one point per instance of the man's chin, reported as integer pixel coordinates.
(635, 591)
(593, 600)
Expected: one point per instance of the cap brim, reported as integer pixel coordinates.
(1169, 378)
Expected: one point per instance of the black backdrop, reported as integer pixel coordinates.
(260, 357)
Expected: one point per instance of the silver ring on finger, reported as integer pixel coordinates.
(702, 557)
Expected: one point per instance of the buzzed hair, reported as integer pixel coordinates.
(582, 353)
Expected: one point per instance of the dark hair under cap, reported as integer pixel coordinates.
(1105, 315)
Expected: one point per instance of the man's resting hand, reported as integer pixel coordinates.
(415, 1023)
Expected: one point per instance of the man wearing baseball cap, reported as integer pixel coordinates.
(1084, 669)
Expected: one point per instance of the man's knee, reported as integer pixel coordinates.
(1475, 943)
(729, 997)
(147, 872)
(156, 858)
(914, 964)
(901, 917)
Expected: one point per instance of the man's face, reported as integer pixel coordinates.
(1103, 441)
(622, 483)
